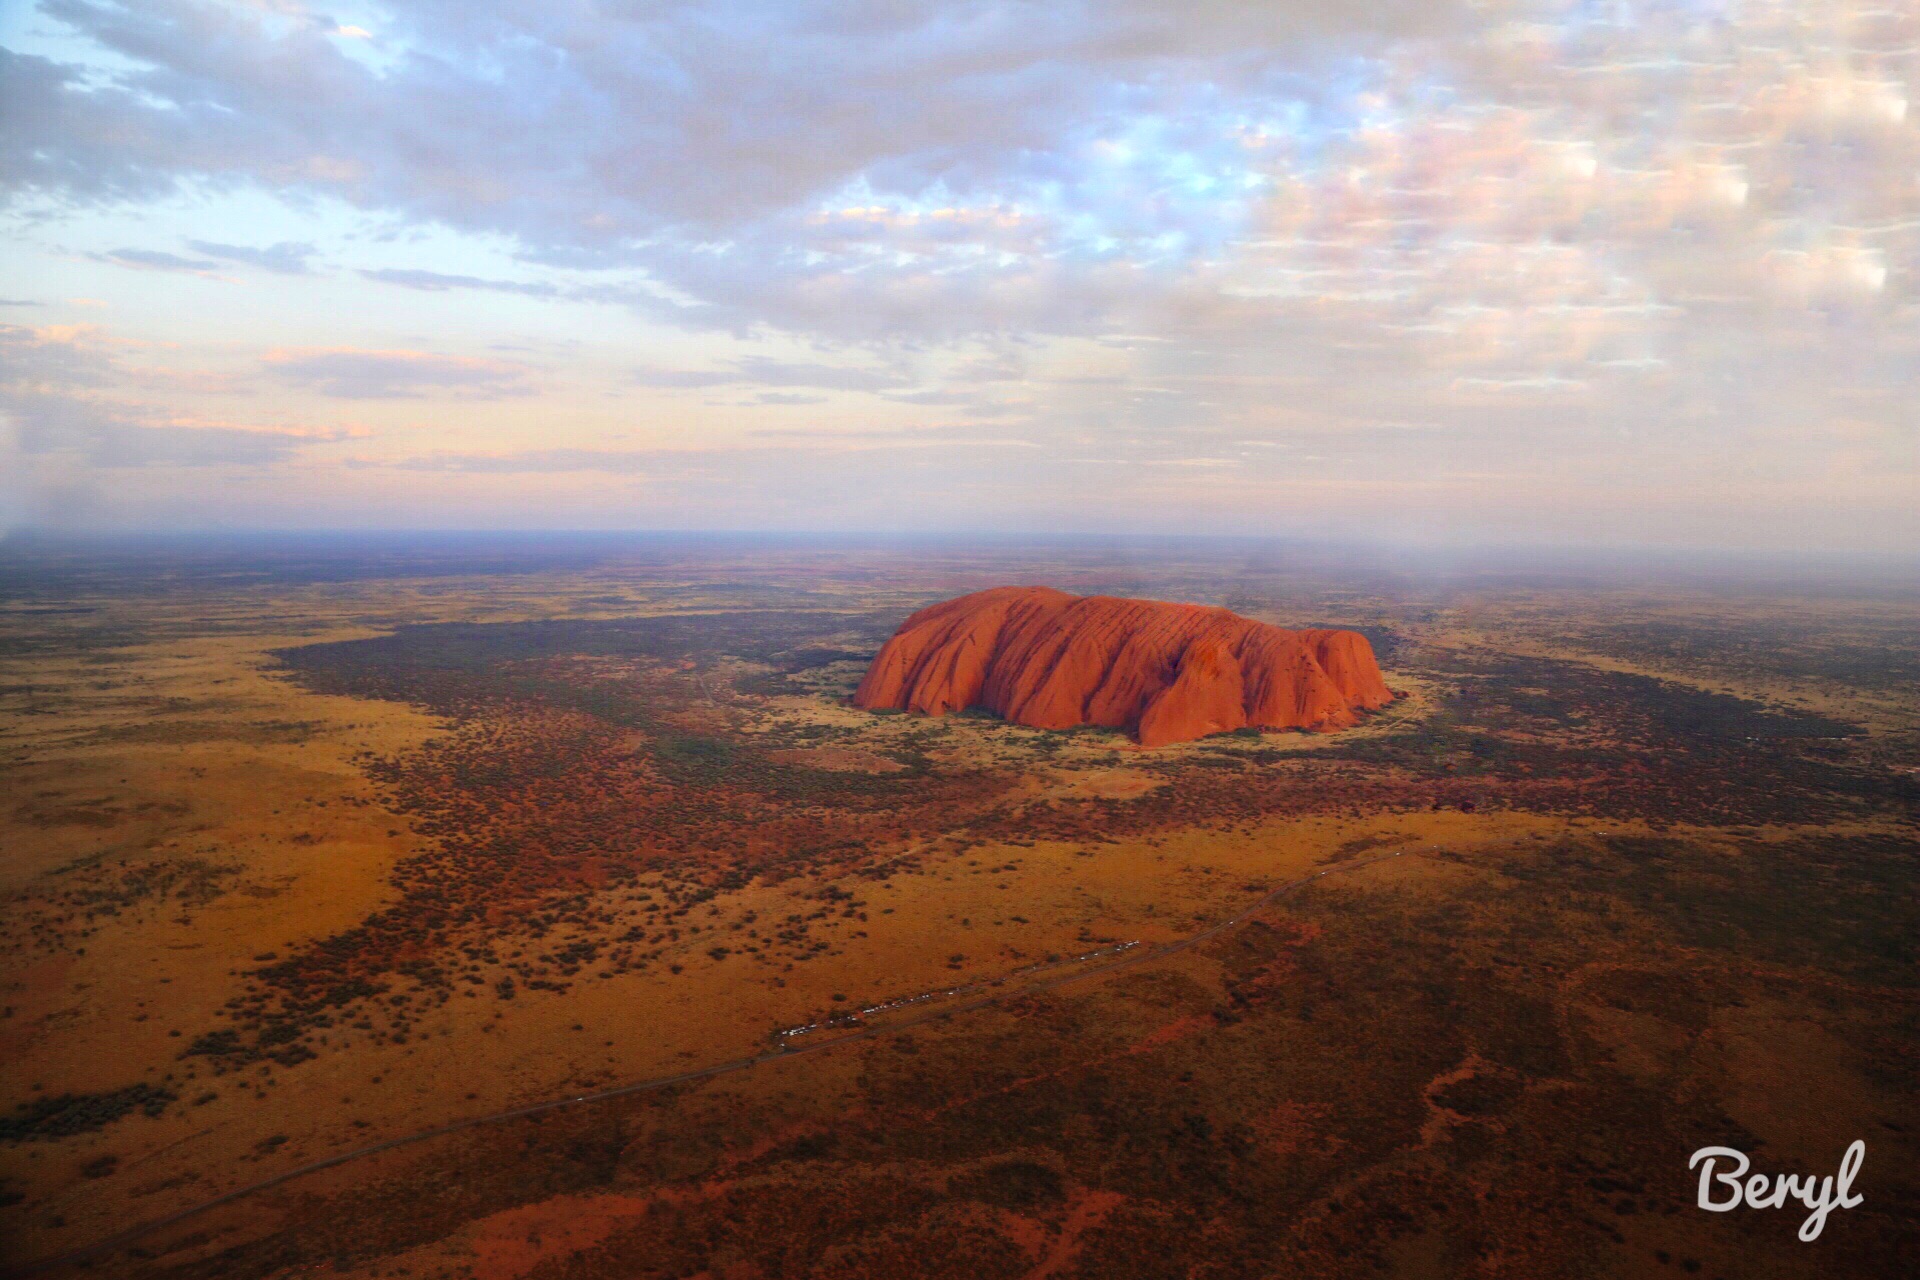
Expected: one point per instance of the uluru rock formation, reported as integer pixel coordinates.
(1166, 672)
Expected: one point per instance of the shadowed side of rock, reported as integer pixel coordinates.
(1164, 672)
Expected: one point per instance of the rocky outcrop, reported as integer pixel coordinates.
(1165, 672)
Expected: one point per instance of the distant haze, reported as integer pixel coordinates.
(1500, 273)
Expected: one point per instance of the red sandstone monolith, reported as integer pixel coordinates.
(1164, 672)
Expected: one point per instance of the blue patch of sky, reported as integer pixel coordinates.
(1185, 186)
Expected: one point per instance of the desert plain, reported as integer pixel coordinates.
(318, 847)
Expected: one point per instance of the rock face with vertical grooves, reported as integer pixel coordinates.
(1164, 672)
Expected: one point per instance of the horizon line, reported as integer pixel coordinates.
(28, 534)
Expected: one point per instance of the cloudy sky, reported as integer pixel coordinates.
(1563, 271)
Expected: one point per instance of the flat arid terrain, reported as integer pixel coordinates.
(413, 860)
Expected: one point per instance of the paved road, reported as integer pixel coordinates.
(122, 1239)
